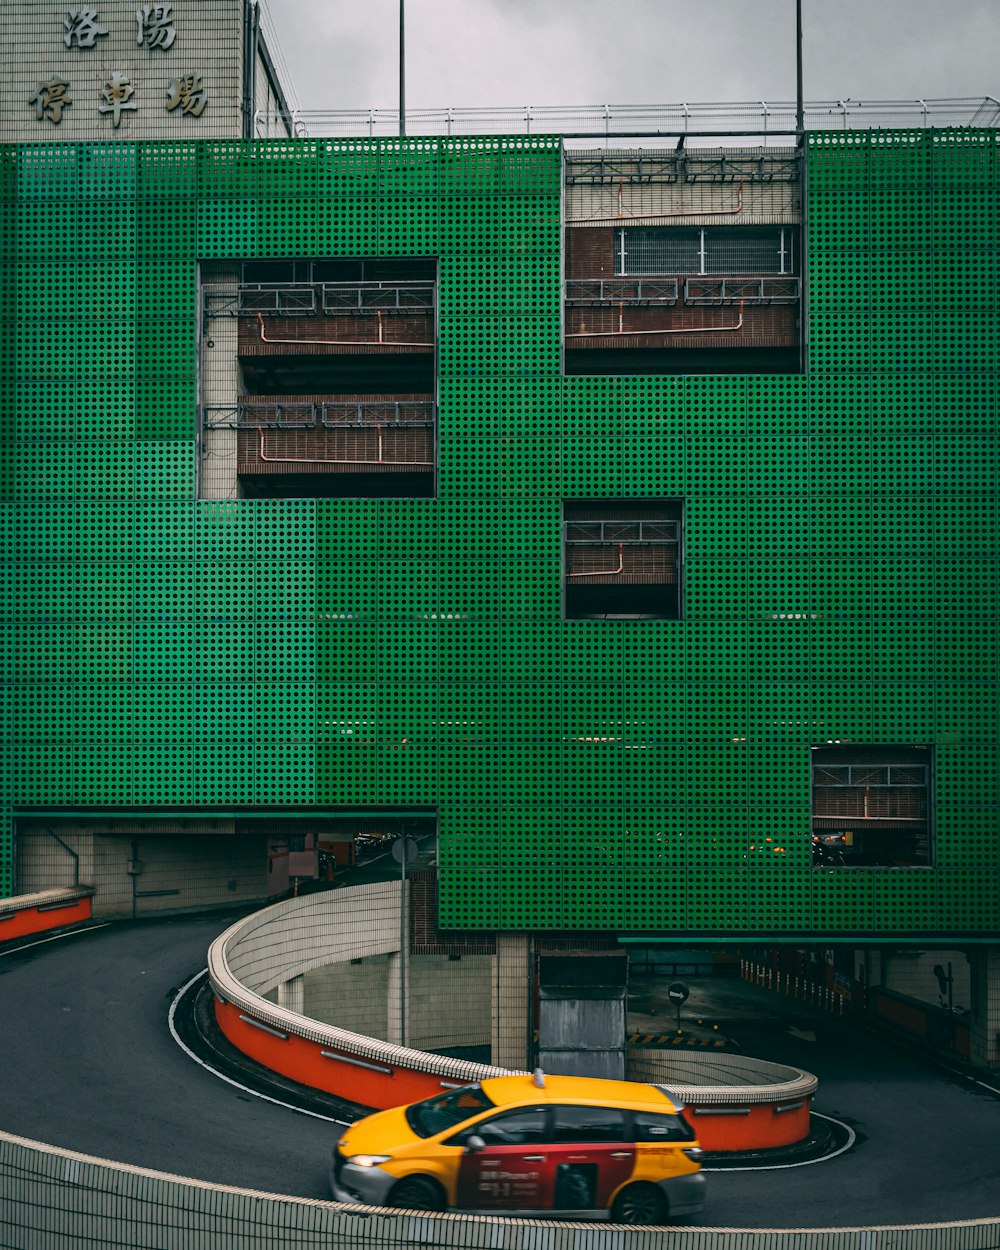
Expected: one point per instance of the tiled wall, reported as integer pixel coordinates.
(449, 1001)
(350, 995)
(175, 873)
(206, 43)
(94, 1204)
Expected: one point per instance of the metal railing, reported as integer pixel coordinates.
(665, 292)
(353, 297)
(303, 299)
(756, 117)
(641, 292)
(741, 290)
(327, 415)
(630, 533)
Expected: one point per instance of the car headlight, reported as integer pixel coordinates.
(693, 1152)
(368, 1161)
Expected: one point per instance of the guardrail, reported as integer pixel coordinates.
(26, 914)
(51, 1197)
(293, 937)
(753, 1104)
(755, 117)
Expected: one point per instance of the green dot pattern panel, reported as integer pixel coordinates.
(840, 544)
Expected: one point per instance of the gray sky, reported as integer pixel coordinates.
(472, 53)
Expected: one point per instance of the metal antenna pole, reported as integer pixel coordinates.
(402, 69)
(800, 124)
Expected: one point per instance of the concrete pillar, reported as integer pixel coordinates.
(511, 1002)
(291, 995)
(985, 1023)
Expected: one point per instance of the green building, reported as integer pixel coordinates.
(628, 519)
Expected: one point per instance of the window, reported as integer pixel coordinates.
(441, 1112)
(683, 262)
(524, 1127)
(623, 559)
(588, 1124)
(871, 806)
(733, 250)
(651, 1126)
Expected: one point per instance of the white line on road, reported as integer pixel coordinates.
(804, 1163)
(221, 1075)
(58, 937)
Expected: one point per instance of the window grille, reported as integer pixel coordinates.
(706, 250)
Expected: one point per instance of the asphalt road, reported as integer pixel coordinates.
(92, 1066)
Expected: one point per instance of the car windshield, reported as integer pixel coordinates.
(445, 1111)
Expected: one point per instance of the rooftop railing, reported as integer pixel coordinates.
(757, 117)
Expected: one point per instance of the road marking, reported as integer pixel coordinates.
(58, 937)
(221, 1075)
(804, 1163)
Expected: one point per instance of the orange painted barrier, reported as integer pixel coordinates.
(734, 1102)
(368, 1082)
(381, 1085)
(26, 921)
(759, 1127)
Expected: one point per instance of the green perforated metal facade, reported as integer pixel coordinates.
(840, 539)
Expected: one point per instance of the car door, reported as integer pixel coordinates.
(512, 1172)
(589, 1156)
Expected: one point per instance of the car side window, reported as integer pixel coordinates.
(525, 1127)
(588, 1124)
(653, 1126)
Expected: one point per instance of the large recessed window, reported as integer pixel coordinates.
(318, 378)
(871, 806)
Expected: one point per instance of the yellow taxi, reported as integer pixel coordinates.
(550, 1146)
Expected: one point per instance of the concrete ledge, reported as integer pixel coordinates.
(25, 914)
(735, 1102)
(52, 1199)
(291, 937)
(710, 1079)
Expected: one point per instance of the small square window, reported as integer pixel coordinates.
(622, 559)
(871, 806)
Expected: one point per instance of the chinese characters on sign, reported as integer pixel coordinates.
(118, 93)
(81, 25)
(188, 93)
(50, 99)
(155, 30)
(156, 26)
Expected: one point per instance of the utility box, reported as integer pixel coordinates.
(581, 1013)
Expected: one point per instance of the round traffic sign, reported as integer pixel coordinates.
(405, 850)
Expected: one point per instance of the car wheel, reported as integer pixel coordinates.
(417, 1193)
(639, 1204)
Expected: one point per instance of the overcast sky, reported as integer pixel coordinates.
(342, 54)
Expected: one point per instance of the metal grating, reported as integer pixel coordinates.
(840, 539)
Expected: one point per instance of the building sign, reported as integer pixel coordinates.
(156, 26)
(117, 92)
(156, 31)
(50, 99)
(188, 93)
(81, 25)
